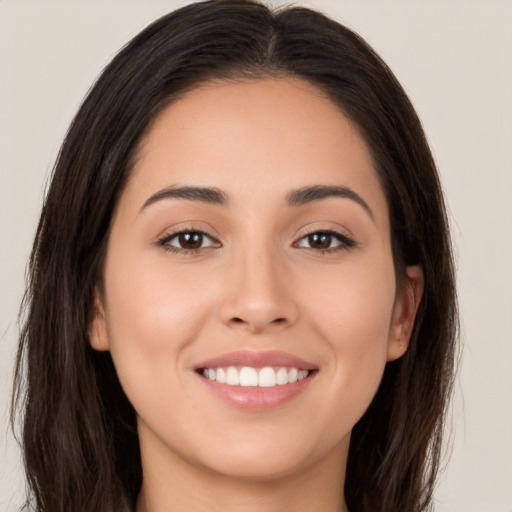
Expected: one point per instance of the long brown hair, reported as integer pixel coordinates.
(79, 434)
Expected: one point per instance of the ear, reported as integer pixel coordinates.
(98, 335)
(407, 301)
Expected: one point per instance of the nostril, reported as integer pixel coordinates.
(257, 324)
(237, 320)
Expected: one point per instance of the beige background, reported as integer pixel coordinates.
(454, 58)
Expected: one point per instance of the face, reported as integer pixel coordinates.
(249, 297)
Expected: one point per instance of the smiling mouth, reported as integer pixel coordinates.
(247, 376)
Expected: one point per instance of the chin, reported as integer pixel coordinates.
(258, 469)
(266, 458)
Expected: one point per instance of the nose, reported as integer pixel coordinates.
(259, 295)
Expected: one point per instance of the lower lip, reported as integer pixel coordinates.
(254, 398)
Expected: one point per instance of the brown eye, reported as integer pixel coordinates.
(192, 240)
(325, 241)
(320, 240)
(188, 241)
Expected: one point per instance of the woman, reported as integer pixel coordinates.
(242, 292)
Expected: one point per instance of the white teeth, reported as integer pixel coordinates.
(292, 375)
(220, 375)
(282, 376)
(232, 376)
(266, 377)
(248, 376)
(302, 374)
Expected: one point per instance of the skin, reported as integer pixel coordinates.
(258, 284)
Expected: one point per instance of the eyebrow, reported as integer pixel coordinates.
(298, 197)
(307, 195)
(203, 194)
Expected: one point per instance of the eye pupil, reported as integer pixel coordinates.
(190, 240)
(319, 240)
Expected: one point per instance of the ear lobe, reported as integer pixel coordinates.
(407, 301)
(98, 335)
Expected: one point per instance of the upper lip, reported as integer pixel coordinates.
(256, 359)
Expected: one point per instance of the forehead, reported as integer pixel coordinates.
(254, 138)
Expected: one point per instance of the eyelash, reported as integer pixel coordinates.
(164, 242)
(345, 242)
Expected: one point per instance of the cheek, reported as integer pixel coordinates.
(352, 312)
(153, 313)
(354, 302)
(151, 300)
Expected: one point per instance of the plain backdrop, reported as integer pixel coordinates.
(454, 59)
